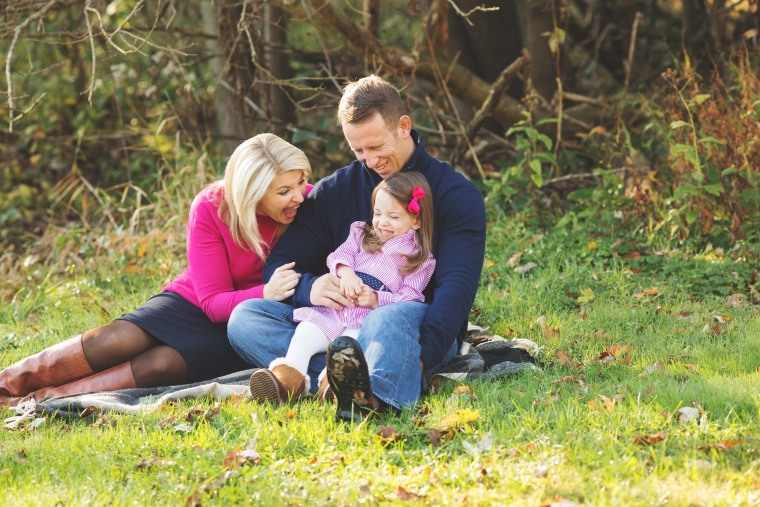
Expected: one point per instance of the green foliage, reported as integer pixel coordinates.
(535, 161)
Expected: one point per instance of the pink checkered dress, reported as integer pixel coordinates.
(384, 265)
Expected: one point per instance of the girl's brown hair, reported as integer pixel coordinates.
(400, 186)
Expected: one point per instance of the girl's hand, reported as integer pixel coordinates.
(283, 283)
(351, 286)
(367, 298)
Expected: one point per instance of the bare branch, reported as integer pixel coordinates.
(628, 64)
(92, 50)
(498, 88)
(466, 15)
(460, 81)
(8, 75)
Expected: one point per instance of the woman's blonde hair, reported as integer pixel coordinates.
(250, 171)
(400, 187)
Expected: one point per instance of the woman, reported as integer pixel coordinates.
(180, 335)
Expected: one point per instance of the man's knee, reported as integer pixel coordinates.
(404, 314)
(239, 323)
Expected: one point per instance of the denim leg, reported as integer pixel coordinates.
(390, 340)
(260, 331)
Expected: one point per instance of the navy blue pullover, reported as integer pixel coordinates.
(459, 237)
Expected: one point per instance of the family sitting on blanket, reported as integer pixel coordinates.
(232, 228)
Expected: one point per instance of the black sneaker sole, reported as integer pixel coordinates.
(348, 376)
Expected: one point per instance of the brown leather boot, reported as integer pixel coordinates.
(57, 365)
(112, 379)
(280, 384)
(325, 392)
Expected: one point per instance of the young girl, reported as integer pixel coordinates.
(382, 262)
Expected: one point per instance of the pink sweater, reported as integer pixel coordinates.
(220, 274)
(385, 265)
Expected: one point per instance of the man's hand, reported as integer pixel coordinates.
(326, 292)
(367, 298)
(283, 283)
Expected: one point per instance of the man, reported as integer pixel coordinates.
(398, 342)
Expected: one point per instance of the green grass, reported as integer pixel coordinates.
(575, 431)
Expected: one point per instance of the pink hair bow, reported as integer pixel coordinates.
(414, 205)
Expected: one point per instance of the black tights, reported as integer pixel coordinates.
(153, 363)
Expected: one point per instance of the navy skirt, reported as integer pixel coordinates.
(176, 322)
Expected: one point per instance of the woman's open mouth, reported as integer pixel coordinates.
(290, 212)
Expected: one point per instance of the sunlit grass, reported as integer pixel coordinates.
(589, 431)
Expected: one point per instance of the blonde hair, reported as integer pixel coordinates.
(250, 171)
(400, 187)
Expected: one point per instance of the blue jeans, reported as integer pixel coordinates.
(260, 331)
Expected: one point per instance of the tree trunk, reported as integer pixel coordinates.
(231, 125)
(537, 18)
(372, 17)
(282, 111)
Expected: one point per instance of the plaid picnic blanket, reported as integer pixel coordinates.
(482, 356)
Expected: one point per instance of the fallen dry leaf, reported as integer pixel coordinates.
(525, 268)
(89, 411)
(434, 436)
(564, 359)
(688, 414)
(609, 403)
(463, 391)
(145, 464)
(388, 434)
(461, 416)
(648, 439)
(719, 447)
(234, 459)
(404, 494)
(202, 413)
(549, 332)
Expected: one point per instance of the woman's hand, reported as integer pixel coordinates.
(283, 283)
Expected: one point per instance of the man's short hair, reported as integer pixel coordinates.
(367, 96)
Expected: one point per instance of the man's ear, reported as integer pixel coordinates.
(405, 126)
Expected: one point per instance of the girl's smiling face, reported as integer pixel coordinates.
(390, 218)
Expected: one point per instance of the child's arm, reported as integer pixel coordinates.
(411, 287)
(350, 284)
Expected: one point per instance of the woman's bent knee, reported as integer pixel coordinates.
(159, 366)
